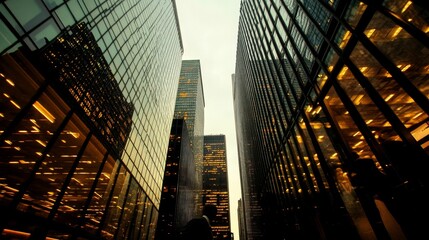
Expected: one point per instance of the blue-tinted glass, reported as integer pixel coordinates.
(28, 12)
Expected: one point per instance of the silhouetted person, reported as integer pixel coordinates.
(200, 228)
(370, 184)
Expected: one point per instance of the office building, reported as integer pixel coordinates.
(180, 181)
(322, 89)
(182, 199)
(215, 184)
(87, 102)
(190, 107)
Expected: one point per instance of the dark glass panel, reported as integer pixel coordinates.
(24, 147)
(48, 182)
(96, 209)
(72, 204)
(115, 206)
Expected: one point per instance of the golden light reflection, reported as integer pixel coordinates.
(369, 32)
(406, 6)
(41, 143)
(39, 107)
(389, 97)
(396, 32)
(15, 104)
(10, 82)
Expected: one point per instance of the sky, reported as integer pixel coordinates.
(209, 33)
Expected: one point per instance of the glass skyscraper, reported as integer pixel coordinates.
(190, 107)
(331, 103)
(215, 184)
(87, 99)
(178, 202)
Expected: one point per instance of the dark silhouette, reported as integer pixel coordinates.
(200, 228)
(370, 184)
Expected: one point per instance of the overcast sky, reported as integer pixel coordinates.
(209, 33)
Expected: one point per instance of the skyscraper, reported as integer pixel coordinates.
(215, 184)
(321, 90)
(190, 107)
(87, 102)
(181, 198)
(178, 203)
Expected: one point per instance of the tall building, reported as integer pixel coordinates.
(87, 102)
(180, 181)
(215, 184)
(181, 198)
(190, 107)
(331, 114)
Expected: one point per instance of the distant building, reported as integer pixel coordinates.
(215, 184)
(190, 107)
(86, 104)
(319, 87)
(180, 180)
(182, 188)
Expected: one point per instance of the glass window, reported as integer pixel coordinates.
(411, 115)
(11, 20)
(73, 202)
(28, 12)
(53, 3)
(128, 217)
(115, 207)
(25, 145)
(65, 16)
(413, 12)
(96, 209)
(49, 179)
(76, 9)
(354, 13)
(6, 37)
(406, 52)
(48, 31)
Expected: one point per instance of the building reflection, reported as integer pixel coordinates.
(315, 84)
(64, 124)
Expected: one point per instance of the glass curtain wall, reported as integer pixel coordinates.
(334, 97)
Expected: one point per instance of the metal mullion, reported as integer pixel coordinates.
(279, 126)
(390, 115)
(292, 40)
(399, 77)
(92, 190)
(16, 199)
(109, 199)
(420, 99)
(289, 59)
(381, 104)
(323, 163)
(323, 34)
(308, 185)
(282, 88)
(314, 168)
(298, 148)
(68, 178)
(123, 208)
(410, 28)
(268, 122)
(257, 117)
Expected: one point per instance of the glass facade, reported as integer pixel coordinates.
(331, 113)
(215, 184)
(180, 182)
(87, 100)
(190, 107)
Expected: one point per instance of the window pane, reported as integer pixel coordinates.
(28, 12)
